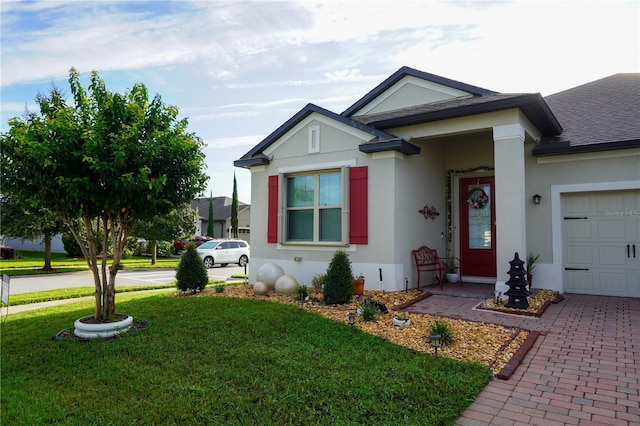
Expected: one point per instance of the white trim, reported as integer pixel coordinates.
(588, 156)
(315, 167)
(508, 131)
(314, 139)
(387, 154)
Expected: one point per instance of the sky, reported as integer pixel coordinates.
(239, 69)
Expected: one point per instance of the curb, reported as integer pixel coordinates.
(508, 370)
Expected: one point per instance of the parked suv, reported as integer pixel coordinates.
(224, 252)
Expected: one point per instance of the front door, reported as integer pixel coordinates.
(477, 227)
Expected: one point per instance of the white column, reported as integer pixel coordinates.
(510, 200)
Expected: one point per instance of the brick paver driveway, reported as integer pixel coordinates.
(584, 369)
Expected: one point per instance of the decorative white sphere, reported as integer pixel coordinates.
(269, 274)
(260, 288)
(286, 284)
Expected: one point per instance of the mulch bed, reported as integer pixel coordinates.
(538, 303)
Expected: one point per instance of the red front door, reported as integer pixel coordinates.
(477, 227)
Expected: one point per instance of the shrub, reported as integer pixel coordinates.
(338, 282)
(442, 328)
(191, 274)
(70, 245)
(164, 248)
(220, 288)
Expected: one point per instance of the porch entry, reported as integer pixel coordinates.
(478, 226)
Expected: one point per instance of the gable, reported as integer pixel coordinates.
(410, 91)
(431, 85)
(316, 133)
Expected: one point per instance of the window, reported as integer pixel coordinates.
(321, 206)
(314, 207)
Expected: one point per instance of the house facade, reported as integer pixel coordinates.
(222, 218)
(425, 160)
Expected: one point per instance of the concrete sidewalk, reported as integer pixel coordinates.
(584, 369)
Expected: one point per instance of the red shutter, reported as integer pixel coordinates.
(272, 210)
(358, 205)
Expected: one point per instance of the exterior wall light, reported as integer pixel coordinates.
(536, 199)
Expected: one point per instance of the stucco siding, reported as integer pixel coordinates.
(582, 172)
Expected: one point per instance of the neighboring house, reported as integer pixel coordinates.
(222, 217)
(37, 245)
(425, 160)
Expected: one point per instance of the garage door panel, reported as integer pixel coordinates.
(611, 256)
(580, 255)
(608, 202)
(610, 229)
(578, 204)
(578, 230)
(612, 283)
(579, 281)
(600, 230)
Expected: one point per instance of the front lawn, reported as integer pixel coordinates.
(206, 360)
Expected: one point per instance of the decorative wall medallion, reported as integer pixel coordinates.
(429, 212)
(478, 199)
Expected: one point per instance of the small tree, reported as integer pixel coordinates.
(106, 161)
(210, 221)
(178, 224)
(20, 220)
(191, 274)
(234, 208)
(338, 282)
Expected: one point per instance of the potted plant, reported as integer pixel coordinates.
(401, 320)
(531, 264)
(358, 285)
(451, 273)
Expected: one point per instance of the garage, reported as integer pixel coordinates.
(601, 243)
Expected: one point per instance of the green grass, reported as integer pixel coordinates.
(75, 292)
(206, 360)
(31, 262)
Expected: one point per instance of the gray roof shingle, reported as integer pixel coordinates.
(602, 114)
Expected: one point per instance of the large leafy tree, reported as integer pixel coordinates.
(234, 208)
(21, 220)
(180, 223)
(107, 160)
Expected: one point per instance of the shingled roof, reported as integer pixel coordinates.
(600, 115)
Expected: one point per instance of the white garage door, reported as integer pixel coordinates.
(601, 232)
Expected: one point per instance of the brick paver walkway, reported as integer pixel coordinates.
(584, 369)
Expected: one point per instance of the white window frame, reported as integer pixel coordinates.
(284, 173)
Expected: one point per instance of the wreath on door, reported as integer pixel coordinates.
(477, 198)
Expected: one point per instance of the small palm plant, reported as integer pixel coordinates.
(442, 328)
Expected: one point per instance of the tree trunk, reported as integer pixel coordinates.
(154, 251)
(47, 252)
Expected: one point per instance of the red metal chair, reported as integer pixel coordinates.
(427, 260)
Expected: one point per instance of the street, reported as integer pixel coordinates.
(32, 283)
